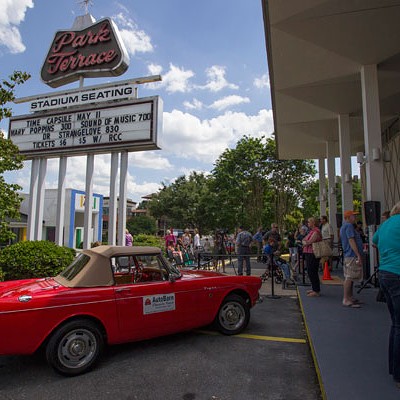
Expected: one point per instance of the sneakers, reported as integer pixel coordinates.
(311, 293)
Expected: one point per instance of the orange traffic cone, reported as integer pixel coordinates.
(327, 274)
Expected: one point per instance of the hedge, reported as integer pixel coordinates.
(34, 259)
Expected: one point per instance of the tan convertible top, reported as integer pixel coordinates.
(97, 271)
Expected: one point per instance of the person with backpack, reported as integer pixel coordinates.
(243, 241)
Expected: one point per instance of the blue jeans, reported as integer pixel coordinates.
(285, 269)
(390, 285)
(244, 255)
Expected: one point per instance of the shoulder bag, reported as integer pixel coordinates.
(321, 249)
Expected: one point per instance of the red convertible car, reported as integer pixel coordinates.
(117, 294)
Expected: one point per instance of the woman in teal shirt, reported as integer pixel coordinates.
(387, 239)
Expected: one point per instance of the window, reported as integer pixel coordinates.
(138, 269)
(76, 267)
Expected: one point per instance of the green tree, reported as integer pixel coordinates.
(248, 186)
(184, 203)
(310, 205)
(239, 184)
(288, 179)
(142, 224)
(10, 159)
(257, 187)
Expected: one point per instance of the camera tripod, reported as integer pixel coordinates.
(369, 280)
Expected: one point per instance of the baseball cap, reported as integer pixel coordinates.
(349, 213)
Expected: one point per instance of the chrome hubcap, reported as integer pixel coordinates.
(77, 348)
(232, 316)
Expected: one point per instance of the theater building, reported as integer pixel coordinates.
(74, 217)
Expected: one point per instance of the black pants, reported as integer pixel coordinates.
(312, 271)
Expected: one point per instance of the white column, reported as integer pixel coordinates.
(30, 233)
(40, 199)
(112, 206)
(372, 133)
(123, 179)
(62, 172)
(345, 161)
(373, 144)
(88, 201)
(322, 186)
(330, 155)
(95, 221)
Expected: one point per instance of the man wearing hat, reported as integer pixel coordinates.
(353, 262)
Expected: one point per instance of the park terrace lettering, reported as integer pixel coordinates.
(91, 52)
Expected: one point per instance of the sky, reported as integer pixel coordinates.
(210, 54)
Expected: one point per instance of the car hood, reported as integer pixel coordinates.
(27, 287)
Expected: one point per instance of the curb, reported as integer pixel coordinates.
(314, 356)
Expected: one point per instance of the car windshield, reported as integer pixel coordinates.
(76, 267)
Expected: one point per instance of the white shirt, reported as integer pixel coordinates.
(326, 231)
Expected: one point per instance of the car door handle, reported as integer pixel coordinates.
(122, 290)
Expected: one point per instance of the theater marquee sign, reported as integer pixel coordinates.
(92, 52)
(126, 125)
(96, 119)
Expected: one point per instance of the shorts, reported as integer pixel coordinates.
(351, 270)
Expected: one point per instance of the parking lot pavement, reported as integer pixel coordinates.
(270, 360)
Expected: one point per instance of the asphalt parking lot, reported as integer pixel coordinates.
(270, 360)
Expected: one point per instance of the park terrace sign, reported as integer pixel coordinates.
(95, 51)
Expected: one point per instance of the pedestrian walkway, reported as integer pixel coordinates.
(349, 346)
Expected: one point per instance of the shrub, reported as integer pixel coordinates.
(147, 240)
(34, 259)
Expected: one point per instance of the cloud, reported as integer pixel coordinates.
(262, 82)
(155, 69)
(194, 105)
(101, 178)
(135, 40)
(149, 159)
(11, 16)
(229, 101)
(204, 140)
(177, 79)
(216, 80)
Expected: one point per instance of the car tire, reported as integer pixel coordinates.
(75, 347)
(233, 315)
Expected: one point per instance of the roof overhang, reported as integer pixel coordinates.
(316, 50)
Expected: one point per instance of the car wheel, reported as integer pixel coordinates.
(75, 347)
(233, 315)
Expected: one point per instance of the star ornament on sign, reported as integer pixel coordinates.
(85, 4)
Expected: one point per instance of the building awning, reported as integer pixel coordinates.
(316, 49)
